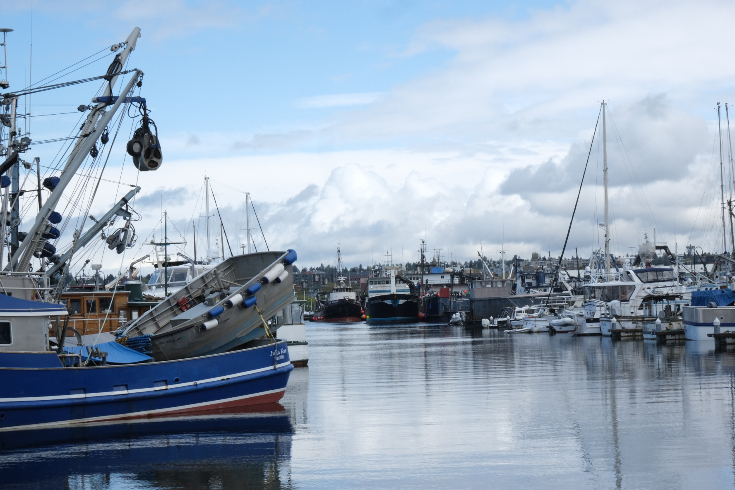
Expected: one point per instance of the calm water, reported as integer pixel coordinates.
(430, 406)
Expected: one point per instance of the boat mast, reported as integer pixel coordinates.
(607, 215)
(11, 148)
(98, 119)
(206, 210)
(502, 251)
(722, 182)
(339, 261)
(732, 174)
(165, 254)
(247, 219)
(15, 181)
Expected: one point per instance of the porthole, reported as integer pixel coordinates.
(176, 380)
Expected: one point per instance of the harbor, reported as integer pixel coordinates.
(436, 406)
(286, 246)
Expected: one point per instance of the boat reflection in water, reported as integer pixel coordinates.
(224, 448)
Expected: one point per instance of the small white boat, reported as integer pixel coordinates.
(568, 322)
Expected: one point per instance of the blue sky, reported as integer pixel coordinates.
(374, 124)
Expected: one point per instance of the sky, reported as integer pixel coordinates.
(371, 125)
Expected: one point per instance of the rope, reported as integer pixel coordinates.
(43, 142)
(269, 335)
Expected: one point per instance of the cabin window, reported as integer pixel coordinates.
(6, 335)
(106, 305)
(91, 306)
(75, 305)
(154, 277)
(178, 275)
(610, 293)
(123, 315)
(653, 276)
(134, 314)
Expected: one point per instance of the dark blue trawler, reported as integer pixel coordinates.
(391, 299)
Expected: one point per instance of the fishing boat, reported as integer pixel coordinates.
(111, 383)
(47, 383)
(391, 298)
(342, 303)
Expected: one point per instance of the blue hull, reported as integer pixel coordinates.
(46, 397)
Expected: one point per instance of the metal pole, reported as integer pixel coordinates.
(165, 254)
(730, 201)
(247, 218)
(38, 175)
(722, 182)
(607, 215)
(3, 223)
(206, 211)
(15, 182)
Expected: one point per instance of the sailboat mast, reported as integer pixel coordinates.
(247, 219)
(722, 182)
(165, 254)
(732, 174)
(206, 210)
(604, 168)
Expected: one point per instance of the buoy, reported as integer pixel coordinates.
(290, 257)
(249, 302)
(51, 234)
(5, 181)
(236, 299)
(272, 274)
(215, 312)
(54, 218)
(364, 317)
(50, 183)
(210, 324)
(48, 250)
(282, 277)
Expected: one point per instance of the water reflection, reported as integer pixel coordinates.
(434, 406)
(225, 449)
(441, 406)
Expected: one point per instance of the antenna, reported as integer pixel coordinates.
(4, 84)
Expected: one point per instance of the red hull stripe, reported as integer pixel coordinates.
(264, 397)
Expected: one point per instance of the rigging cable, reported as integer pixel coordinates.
(220, 222)
(579, 192)
(261, 228)
(64, 69)
(640, 195)
(64, 84)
